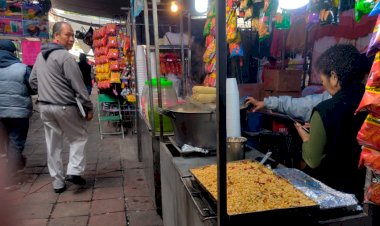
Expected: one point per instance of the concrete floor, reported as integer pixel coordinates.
(116, 193)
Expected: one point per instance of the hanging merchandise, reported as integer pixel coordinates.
(373, 193)
(210, 52)
(374, 43)
(371, 97)
(369, 133)
(363, 7)
(113, 59)
(370, 158)
(328, 11)
(263, 27)
(231, 29)
(282, 20)
(376, 10)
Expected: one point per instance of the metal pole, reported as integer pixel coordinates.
(134, 44)
(157, 52)
(305, 52)
(221, 69)
(149, 75)
(182, 50)
(188, 53)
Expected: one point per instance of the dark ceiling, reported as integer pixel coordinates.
(101, 8)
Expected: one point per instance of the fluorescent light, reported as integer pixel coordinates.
(292, 4)
(201, 6)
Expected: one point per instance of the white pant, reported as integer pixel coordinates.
(64, 122)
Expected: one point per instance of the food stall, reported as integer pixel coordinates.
(189, 199)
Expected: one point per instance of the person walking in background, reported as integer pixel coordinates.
(15, 107)
(85, 68)
(58, 80)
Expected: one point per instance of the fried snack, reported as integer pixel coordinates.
(251, 187)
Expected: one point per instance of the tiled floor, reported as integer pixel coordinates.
(107, 199)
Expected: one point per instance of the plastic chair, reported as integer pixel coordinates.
(109, 110)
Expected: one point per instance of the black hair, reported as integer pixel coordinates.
(346, 61)
(57, 27)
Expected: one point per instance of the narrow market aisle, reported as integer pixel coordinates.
(116, 192)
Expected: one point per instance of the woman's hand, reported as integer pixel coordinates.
(257, 105)
(304, 135)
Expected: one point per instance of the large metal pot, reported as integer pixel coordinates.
(193, 125)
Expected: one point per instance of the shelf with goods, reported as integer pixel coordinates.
(114, 67)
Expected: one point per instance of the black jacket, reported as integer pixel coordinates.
(339, 168)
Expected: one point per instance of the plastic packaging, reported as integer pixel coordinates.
(169, 98)
(373, 193)
(369, 133)
(374, 43)
(112, 42)
(370, 158)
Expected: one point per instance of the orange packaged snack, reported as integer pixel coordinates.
(370, 158)
(369, 133)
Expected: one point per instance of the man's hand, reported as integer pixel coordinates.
(257, 105)
(89, 115)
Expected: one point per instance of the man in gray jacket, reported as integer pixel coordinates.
(57, 79)
(15, 107)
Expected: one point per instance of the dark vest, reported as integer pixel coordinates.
(339, 168)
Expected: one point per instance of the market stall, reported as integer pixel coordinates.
(212, 117)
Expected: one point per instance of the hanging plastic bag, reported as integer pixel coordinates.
(110, 29)
(374, 43)
(363, 7)
(112, 42)
(263, 28)
(207, 27)
(369, 133)
(231, 28)
(114, 65)
(115, 77)
(282, 20)
(210, 52)
(211, 66)
(373, 193)
(113, 54)
(88, 37)
(235, 50)
(376, 9)
(370, 158)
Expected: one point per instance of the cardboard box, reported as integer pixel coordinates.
(268, 93)
(255, 90)
(282, 80)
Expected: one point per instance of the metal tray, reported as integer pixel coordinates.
(275, 217)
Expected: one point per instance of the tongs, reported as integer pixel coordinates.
(265, 158)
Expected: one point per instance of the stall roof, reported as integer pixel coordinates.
(99, 8)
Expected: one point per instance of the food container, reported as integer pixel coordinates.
(193, 125)
(235, 148)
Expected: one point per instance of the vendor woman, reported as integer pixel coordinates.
(331, 150)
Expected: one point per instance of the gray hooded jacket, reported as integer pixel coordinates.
(57, 79)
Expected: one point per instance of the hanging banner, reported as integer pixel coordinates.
(137, 7)
(32, 11)
(11, 10)
(11, 27)
(30, 50)
(36, 28)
